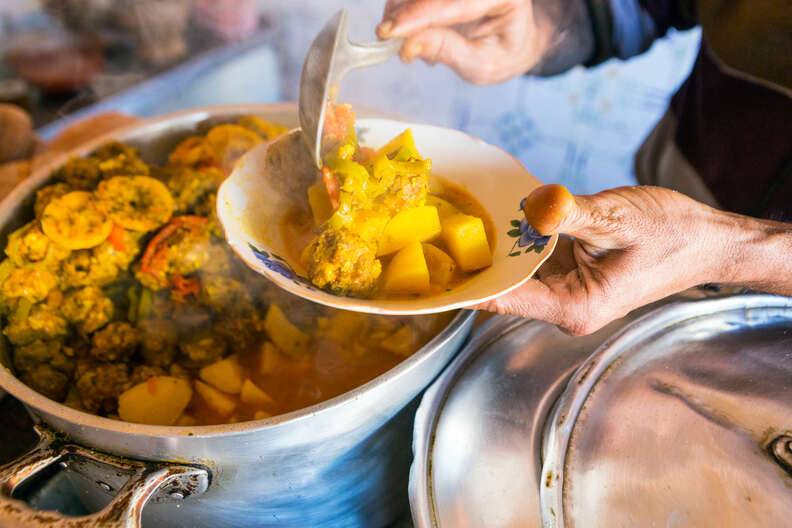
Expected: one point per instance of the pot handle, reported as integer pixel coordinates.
(137, 482)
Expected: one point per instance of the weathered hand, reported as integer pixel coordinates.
(631, 246)
(488, 41)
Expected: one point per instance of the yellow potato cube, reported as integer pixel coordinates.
(252, 395)
(157, 401)
(219, 402)
(186, 420)
(441, 267)
(407, 271)
(399, 342)
(287, 337)
(225, 374)
(269, 358)
(320, 204)
(405, 139)
(346, 325)
(444, 208)
(418, 224)
(260, 415)
(466, 239)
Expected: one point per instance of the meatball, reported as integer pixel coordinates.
(88, 309)
(158, 339)
(242, 332)
(143, 372)
(343, 263)
(46, 366)
(189, 187)
(222, 294)
(122, 255)
(43, 323)
(28, 245)
(100, 385)
(29, 282)
(80, 173)
(203, 350)
(82, 268)
(46, 194)
(117, 159)
(116, 341)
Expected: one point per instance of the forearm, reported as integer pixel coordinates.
(592, 31)
(757, 254)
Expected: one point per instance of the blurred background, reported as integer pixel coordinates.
(65, 60)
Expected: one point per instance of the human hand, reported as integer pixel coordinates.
(489, 41)
(632, 246)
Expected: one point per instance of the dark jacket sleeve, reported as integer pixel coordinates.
(624, 28)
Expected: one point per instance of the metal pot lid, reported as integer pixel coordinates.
(478, 430)
(683, 419)
(678, 419)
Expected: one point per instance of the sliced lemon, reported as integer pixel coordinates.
(75, 222)
(138, 203)
(231, 142)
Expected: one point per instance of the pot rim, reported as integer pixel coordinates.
(38, 401)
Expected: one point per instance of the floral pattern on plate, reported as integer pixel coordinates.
(527, 238)
(279, 265)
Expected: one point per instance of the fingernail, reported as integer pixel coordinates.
(383, 30)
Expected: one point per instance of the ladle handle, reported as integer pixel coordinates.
(371, 53)
(144, 482)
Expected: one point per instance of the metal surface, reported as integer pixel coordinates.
(133, 485)
(339, 463)
(330, 57)
(478, 429)
(682, 419)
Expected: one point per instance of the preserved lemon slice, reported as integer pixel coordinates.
(75, 222)
(138, 203)
(230, 142)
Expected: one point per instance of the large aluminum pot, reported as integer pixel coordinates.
(343, 462)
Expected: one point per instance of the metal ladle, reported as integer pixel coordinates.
(330, 57)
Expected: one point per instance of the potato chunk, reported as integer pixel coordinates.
(157, 401)
(418, 224)
(444, 207)
(252, 395)
(319, 200)
(287, 337)
(399, 342)
(225, 375)
(407, 271)
(441, 267)
(219, 402)
(269, 358)
(466, 239)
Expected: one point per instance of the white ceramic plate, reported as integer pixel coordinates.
(253, 224)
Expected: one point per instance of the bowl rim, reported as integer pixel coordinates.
(30, 398)
(369, 306)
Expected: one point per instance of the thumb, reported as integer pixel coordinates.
(595, 220)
